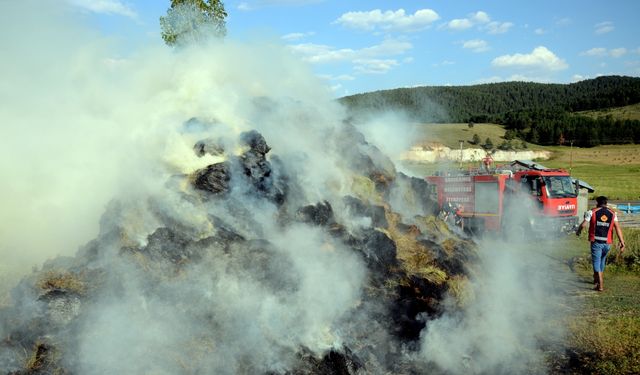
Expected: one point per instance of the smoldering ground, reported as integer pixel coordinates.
(285, 243)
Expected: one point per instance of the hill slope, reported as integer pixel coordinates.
(629, 112)
(490, 102)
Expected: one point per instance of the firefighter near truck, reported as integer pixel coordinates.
(523, 198)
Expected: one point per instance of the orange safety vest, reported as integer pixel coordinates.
(601, 225)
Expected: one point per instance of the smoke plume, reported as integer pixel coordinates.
(210, 209)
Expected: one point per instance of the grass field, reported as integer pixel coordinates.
(614, 170)
(451, 134)
(604, 332)
(630, 112)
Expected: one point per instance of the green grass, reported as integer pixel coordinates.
(630, 112)
(604, 333)
(613, 170)
(451, 134)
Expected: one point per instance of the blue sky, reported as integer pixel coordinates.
(359, 46)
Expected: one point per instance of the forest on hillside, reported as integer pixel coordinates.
(537, 112)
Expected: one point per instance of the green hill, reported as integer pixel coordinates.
(629, 112)
(539, 113)
(491, 102)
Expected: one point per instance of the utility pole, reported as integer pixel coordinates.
(571, 157)
(461, 143)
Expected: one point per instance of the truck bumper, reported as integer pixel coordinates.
(557, 225)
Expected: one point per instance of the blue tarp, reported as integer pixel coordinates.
(629, 208)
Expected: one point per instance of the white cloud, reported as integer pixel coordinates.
(320, 53)
(514, 77)
(389, 20)
(478, 19)
(604, 27)
(497, 27)
(408, 60)
(563, 22)
(476, 45)
(539, 31)
(577, 77)
(105, 7)
(618, 52)
(525, 78)
(374, 66)
(597, 51)
(602, 52)
(296, 36)
(374, 59)
(460, 24)
(539, 58)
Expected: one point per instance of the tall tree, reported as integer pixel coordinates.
(188, 21)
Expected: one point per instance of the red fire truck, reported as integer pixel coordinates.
(521, 197)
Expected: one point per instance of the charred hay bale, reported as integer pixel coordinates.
(417, 298)
(63, 281)
(176, 247)
(269, 180)
(167, 244)
(416, 258)
(451, 255)
(223, 239)
(335, 362)
(255, 141)
(208, 146)
(320, 214)
(358, 207)
(378, 252)
(254, 162)
(61, 291)
(213, 178)
(62, 307)
(42, 359)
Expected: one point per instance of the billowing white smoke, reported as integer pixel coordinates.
(80, 124)
(80, 127)
(510, 322)
(512, 317)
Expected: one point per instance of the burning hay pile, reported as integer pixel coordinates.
(231, 269)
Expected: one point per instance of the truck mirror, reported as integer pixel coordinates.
(534, 186)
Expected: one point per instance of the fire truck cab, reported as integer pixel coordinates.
(522, 197)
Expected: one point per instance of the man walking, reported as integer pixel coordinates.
(602, 220)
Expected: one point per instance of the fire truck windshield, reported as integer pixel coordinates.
(560, 187)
